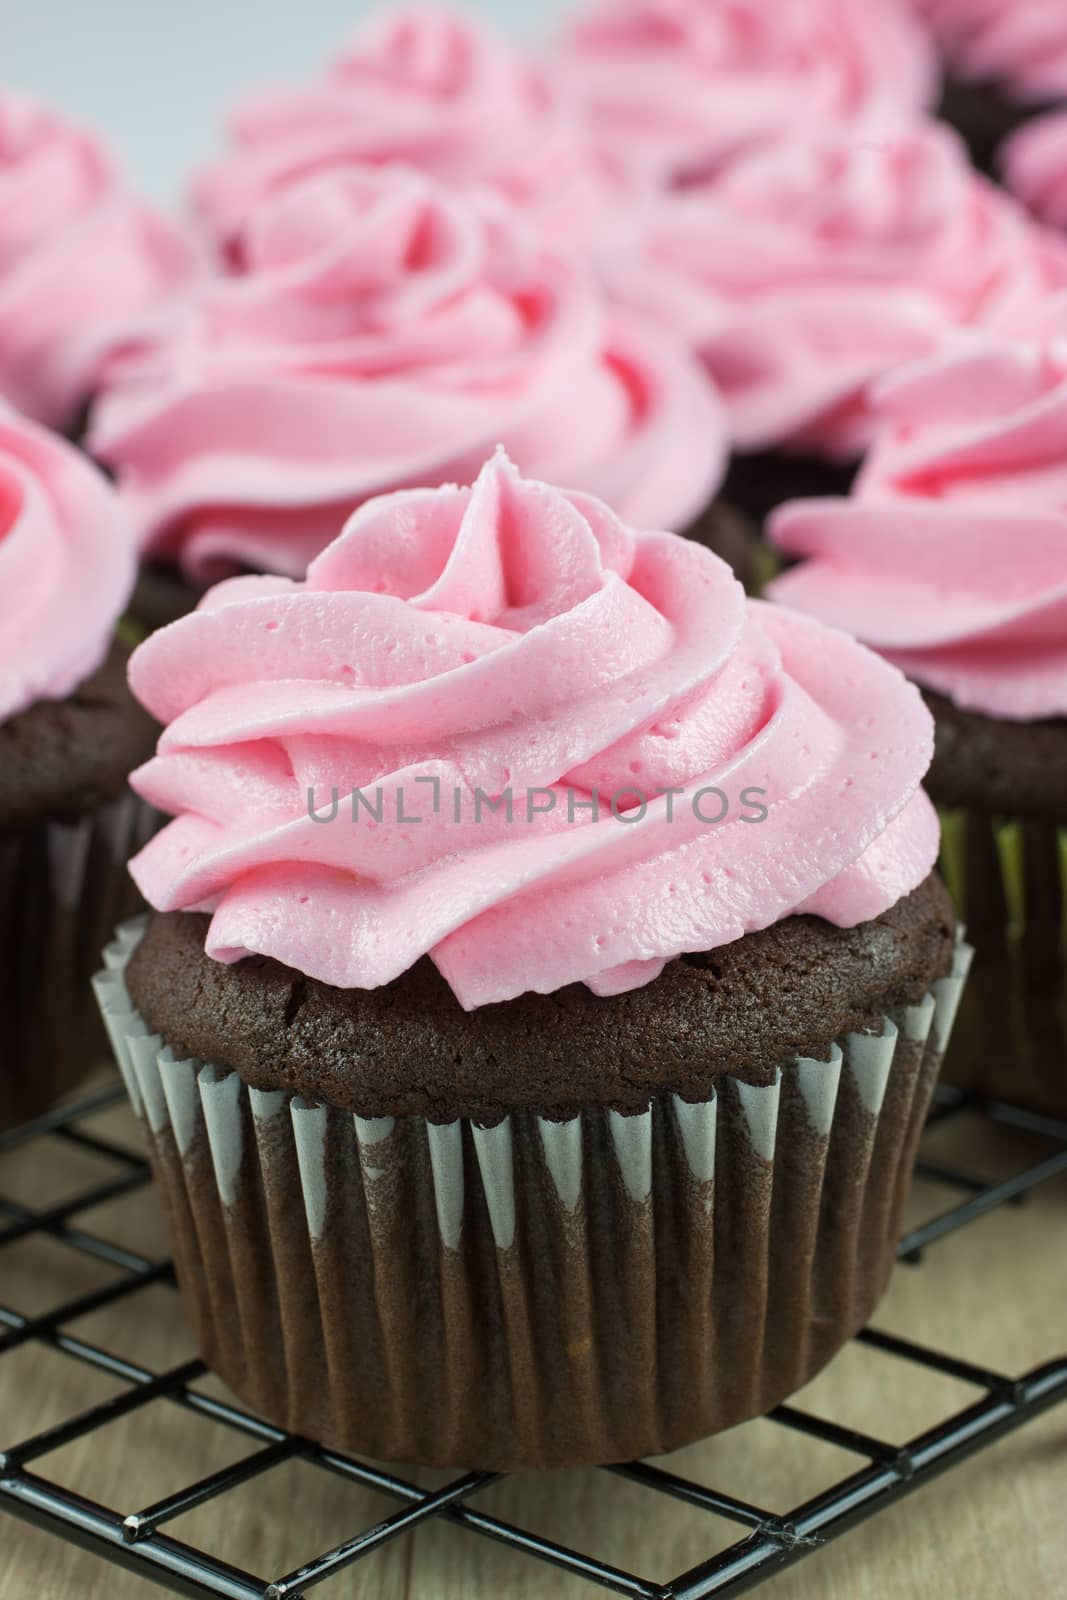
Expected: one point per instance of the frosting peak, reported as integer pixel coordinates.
(81, 260)
(67, 565)
(497, 726)
(389, 332)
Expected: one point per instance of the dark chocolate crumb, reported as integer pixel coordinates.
(408, 1048)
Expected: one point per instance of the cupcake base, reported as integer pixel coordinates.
(67, 828)
(1001, 787)
(62, 886)
(1010, 881)
(534, 1292)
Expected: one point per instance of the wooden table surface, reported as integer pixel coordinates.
(995, 1294)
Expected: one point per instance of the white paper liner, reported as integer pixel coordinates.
(124, 824)
(814, 1160)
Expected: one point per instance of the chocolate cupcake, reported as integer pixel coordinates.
(951, 559)
(69, 734)
(544, 1084)
(1002, 787)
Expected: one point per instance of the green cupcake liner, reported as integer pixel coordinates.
(1014, 843)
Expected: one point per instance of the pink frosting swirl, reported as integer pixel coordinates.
(676, 87)
(514, 640)
(429, 87)
(1034, 162)
(951, 556)
(982, 425)
(387, 333)
(80, 259)
(804, 273)
(1021, 44)
(67, 565)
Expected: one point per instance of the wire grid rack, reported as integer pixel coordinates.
(766, 1543)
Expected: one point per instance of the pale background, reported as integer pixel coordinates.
(157, 74)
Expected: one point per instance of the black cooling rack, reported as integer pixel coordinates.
(766, 1542)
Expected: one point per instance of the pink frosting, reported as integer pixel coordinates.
(951, 556)
(1034, 162)
(1020, 44)
(67, 565)
(515, 639)
(804, 273)
(81, 258)
(982, 426)
(676, 87)
(387, 333)
(429, 87)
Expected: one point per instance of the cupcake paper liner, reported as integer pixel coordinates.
(62, 887)
(535, 1293)
(1009, 882)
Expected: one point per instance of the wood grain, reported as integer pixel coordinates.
(996, 1294)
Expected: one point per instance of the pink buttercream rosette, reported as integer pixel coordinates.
(514, 640)
(674, 89)
(805, 273)
(981, 426)
(435, 89)
(951, 556)
(388, 332)
(82, 261)
(67, 565)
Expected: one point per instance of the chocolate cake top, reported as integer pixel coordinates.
(408, 1048)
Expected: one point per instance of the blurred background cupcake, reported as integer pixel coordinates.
(1003, 62)
(69, 734)
(83, 261)
(572, 993)
(673, 90)
(1034, 167)
(383, 332)
(433, 88)
(807, 270)
(951, 559)
(673, 94)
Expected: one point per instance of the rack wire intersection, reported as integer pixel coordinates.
(767, 1541)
